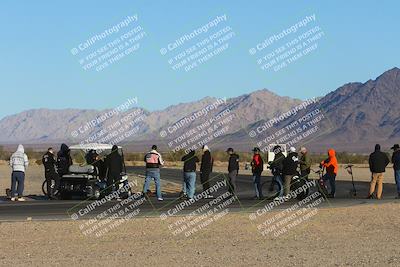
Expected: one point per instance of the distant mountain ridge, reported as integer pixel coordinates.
(359, 115)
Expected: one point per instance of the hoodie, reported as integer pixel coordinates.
(64, 160)
(378, 160)
(19, 160)
(331, 163)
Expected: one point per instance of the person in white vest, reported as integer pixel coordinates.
(18, 162)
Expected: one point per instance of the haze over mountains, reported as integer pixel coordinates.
(357, 115)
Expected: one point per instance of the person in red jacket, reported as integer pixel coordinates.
(331, 166)
(257, 167)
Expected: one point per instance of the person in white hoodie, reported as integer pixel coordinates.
(18, 162)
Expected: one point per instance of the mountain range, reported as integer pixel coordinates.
(356, 116)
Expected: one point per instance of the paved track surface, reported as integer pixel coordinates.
(39, 208)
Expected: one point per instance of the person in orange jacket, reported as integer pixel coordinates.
(331, 166)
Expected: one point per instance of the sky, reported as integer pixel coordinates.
(38, 70)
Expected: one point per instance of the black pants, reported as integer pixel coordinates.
(52, 176)
(204, 178)
(111, 181)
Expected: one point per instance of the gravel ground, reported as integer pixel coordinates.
(356, 236)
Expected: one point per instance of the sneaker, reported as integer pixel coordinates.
(398, 197)
(255, 197)
(160, 199)
(330, 196)
(21, 199)
(370, 196)
(13, 199)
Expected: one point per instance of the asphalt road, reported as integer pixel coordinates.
(39, 208)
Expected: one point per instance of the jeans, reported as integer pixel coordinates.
(331, 177)
(189, 179)
(152, 174)
(232, 181)
(397, 179)
(17, 177)
(257, 184)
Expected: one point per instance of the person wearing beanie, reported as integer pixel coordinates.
(377, 165)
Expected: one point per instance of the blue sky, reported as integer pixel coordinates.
(361, 40)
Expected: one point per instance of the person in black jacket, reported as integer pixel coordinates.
(377, 165)
(233, 170)
(93, 158)
(50, 173)
(64, 160)
(206, 169)
(396, 167)
(277, 163)
(189, 173)
(290, 164)
(115, 166)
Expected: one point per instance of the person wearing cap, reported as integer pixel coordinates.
(377, 165)
(290, 164)
(233, 169)
(277, 163)
(257, 167)
(396, 167)
(153, 162)
(206, 169)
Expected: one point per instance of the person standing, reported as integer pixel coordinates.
(305, 163)
(206, 169)
(115, 166)
(50, 173)
(290, 164)
(153, 161)
(396, 167)
(332, 168)
(189, 173)
(64, 160)
(18, 163)
(257, 167)
(377, 165)
(233, 170)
